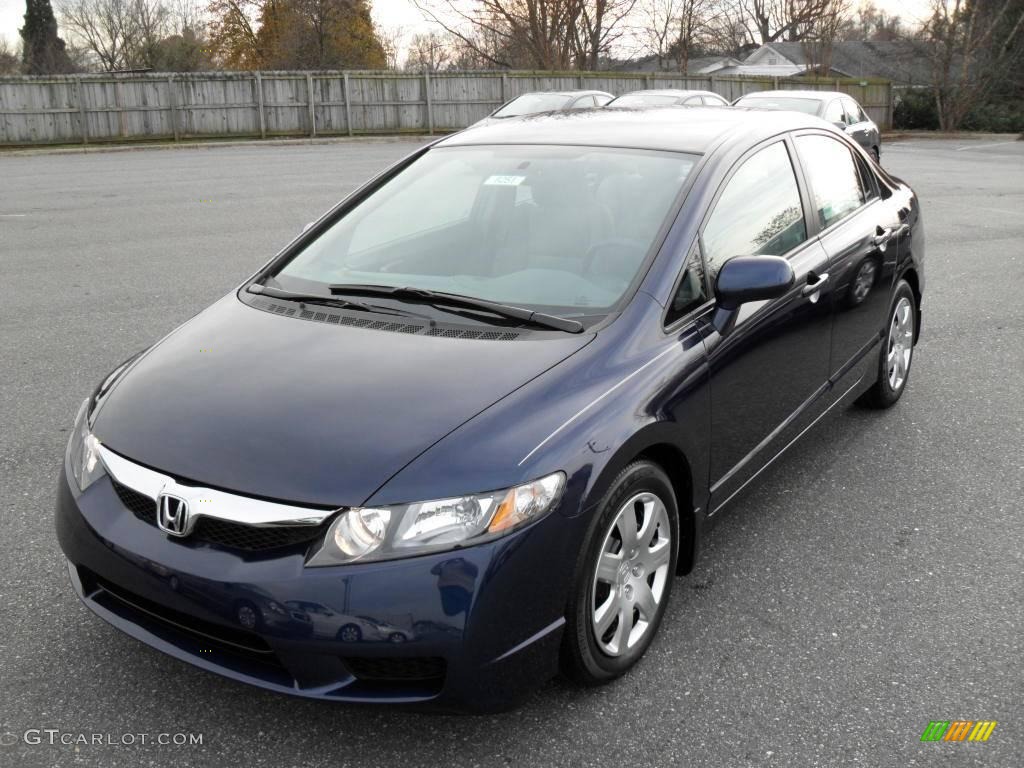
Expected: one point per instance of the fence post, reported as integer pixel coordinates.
(581, 81)
(504, 87)
(775, 83)
(119, 101)
(837, 83)
(84, 124)
(647, 82)
(173, 100)
(430, 103)
(348, 106)
(312, 106)
(258, 85)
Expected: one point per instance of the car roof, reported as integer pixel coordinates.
(561, 93)
(816, 95)
(664, 92)
(674, 128)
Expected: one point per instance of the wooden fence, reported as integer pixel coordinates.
(65, 109)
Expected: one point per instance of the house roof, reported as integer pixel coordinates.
(902, 61)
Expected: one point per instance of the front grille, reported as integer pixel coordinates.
(253, 538)
(248, 538)
(139, 504)
(396, 669)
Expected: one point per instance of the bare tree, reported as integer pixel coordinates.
(10, 58)
(430, 52)
(392, 39)
(511, 33)
(973, 44)
(820, 39)
(769, 21)
(597, 27)
(108, 28)
(675, 29)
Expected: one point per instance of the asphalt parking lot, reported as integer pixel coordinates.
(872, 582)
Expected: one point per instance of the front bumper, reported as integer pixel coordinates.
(478, 628)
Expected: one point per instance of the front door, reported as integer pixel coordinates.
(769, 372)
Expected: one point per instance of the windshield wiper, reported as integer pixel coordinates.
(442, 299)
(313, 298)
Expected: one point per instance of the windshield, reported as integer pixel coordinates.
(644, 100)
(529, 103)
(554, 229)
(788, 103)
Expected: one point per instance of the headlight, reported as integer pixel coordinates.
(384, 533)
(83, 451)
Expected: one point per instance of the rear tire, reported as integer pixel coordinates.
(624, 576)
(896, 353)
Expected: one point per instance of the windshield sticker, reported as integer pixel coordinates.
(504, 181)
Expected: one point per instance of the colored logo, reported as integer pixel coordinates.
(959, 730)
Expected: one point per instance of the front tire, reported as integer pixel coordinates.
(897, 350)
(624, 576)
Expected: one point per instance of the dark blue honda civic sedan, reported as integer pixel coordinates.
(467, 429)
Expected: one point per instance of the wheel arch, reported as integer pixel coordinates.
(658, 444)
(914, 281)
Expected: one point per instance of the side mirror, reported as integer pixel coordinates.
(748, 278)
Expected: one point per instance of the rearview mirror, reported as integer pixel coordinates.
(749, 278)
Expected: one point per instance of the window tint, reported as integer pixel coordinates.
(835, 183)
(834, 112)
(692, 291)
(759, 211)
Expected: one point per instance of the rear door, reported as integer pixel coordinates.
(858, 230)
(768, 374)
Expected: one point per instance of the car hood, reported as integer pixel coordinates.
(303, 411)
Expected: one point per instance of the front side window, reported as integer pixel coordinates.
(559, 229)
(836, 186)
(834, 112)
(759, 211)
(854, 113)
(531, 103)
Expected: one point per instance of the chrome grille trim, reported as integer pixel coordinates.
(207, 502)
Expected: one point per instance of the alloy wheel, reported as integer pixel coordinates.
(630, 574)
(901, 344)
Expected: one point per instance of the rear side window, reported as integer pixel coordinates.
(759, 211)
(836, 186)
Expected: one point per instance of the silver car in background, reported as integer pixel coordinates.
(837, 108)
(545, 101)
(667, 97)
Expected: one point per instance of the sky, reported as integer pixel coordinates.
(402, 13)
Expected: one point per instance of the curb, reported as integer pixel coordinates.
(140, 146)
(957, 135)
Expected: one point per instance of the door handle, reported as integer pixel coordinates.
(816, 285)
(882, 235)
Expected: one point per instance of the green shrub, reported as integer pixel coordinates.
(1003, 116)
(915, 110)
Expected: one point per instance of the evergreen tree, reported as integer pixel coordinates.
(43, 51)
